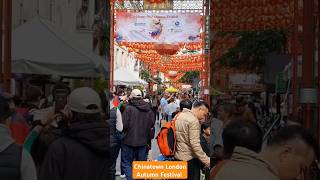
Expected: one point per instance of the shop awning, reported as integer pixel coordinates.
(125, 77)
(38, 47)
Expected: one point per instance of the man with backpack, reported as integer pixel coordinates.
(138, 125)
(15, 162)
(188, 147)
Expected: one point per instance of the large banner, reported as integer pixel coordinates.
(158, 27)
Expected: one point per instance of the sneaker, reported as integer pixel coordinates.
(118, 173)
(122, 176)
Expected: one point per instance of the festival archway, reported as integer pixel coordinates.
(168, 40)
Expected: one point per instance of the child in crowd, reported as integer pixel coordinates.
(204, 141)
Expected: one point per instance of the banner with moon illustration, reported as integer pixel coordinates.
(158, 27)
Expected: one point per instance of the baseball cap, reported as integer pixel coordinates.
(85, 100)
(136, 93)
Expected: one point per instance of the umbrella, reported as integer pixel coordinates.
(172, 90)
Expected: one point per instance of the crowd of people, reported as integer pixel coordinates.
(227, 137)
(65, 138)
(79, 134)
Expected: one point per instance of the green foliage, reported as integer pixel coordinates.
(158, 80)
(100, 84)
(252, 48)
(161, 89)
(189, 77)
(145, 75)
(77, 83)
(104, 50)
(104, 36)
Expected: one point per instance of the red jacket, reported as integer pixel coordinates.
(18, 126)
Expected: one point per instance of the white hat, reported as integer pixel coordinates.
(81, 98)
(136, 93)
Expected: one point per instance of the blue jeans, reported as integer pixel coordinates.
(130, 154)
(115, 149)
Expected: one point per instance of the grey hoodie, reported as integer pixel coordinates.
(28, 170)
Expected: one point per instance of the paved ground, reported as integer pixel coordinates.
(154, 149)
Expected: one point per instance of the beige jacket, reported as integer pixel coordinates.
(246, 165)
(188, 138)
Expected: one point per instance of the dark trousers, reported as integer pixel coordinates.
(165, 116)
(155, 112)
(115, 149)
(130, 154)
(194, 166)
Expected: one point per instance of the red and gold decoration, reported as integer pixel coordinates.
(154, 1)
(222, 44)
(164, 58)
(175, 78)
(137, 47)
(166, 49)
(172, 59)
(172, 74)
(251, 14)
(158, 4)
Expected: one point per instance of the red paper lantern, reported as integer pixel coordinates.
(173, 74)
(166, 49)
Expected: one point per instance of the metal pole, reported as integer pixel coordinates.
(1, 39)
(112, 45)
(206, 52)
(294, 60)
(278, 103)
(7, 43)
(308, 52)
(318, 120)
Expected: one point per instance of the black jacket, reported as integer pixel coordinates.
(115, 135)
(204, 144)
(82, 153)
(138, 121)
(41, 144)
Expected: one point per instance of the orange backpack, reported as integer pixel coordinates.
(166, 138)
